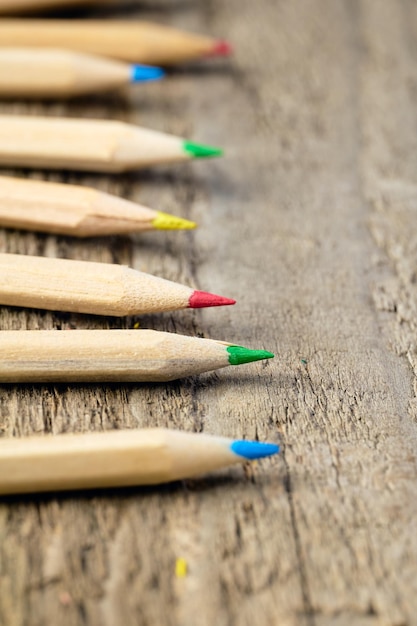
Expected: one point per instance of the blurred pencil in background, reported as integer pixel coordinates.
(37, 73)
(134, 41)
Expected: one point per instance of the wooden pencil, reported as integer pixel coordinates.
(50, 73)
(11, 7)
(89, 144)
(77, 211)
(52, 356)
(117, 458)
(96, 288)
(134, 41)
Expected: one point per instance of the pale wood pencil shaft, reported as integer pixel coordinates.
(84, 144)
(86, 287)
(27, 72)
(106, 355)
(138, 42)
(68, 209)
(111, 459)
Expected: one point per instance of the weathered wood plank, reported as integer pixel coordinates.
(309, 223)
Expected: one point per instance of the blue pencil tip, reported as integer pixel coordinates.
(143, 73)
(253, 449)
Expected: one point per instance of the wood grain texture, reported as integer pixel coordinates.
(312, 214)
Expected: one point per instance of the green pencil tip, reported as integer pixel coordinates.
(198, 151)
(239, 355)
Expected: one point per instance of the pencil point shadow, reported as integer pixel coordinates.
(224, 479)
(126, 9)
(225, 379)
(161, 176)
(116, 244)
(116, 100)
(183, 322)
(203, 67)
(189, 175)
(89, 494)
(198, 383)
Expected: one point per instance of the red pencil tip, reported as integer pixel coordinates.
(200, 299)
(221, 49)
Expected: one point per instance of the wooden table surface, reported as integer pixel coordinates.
(310, 223)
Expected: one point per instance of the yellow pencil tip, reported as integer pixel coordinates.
(164, 221)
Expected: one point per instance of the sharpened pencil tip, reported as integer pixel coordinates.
(199, 151)
(221, 49)
(239, 355)
(143, 73)
(164, 221)
(200, 299)
(252, 450)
